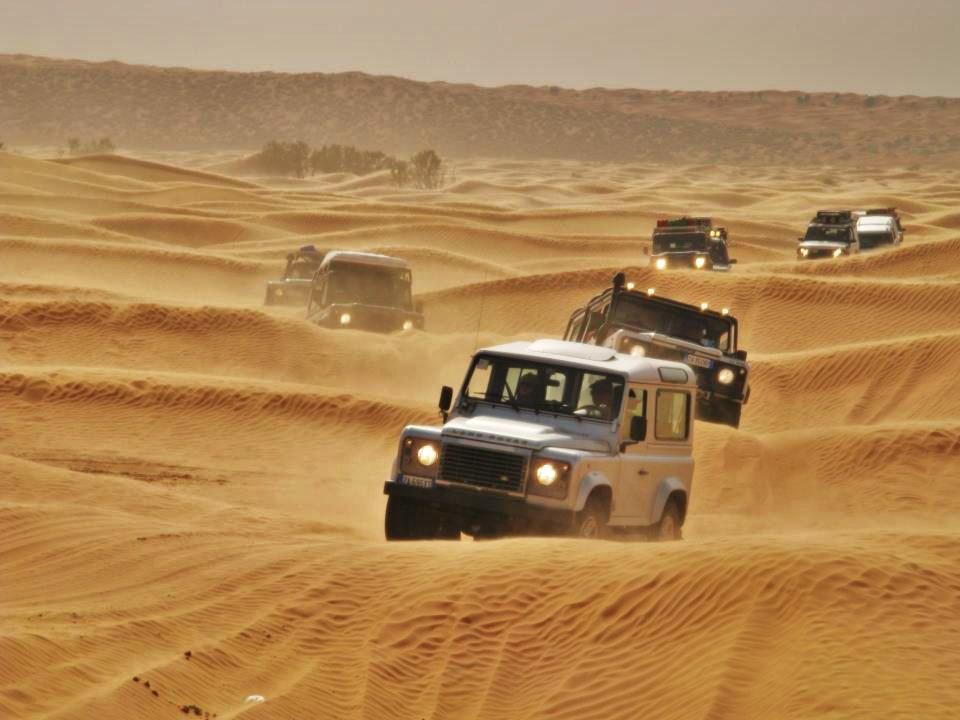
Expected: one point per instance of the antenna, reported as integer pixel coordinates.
(483, 297)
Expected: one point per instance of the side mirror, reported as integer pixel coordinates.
(741, 355)
(646, 249)
(418, 306)
(638, 428)
(446, 399)
(732, 261)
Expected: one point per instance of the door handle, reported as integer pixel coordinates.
(642, 472)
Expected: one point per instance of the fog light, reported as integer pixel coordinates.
(345, 319)
(700, 262)
(804, 252)
(725, 376)
(547, 474)
(661, 263)
(427, 455)
(838, 252)
(408, 324)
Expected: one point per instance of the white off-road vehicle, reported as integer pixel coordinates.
(879, 226)
(550, 437)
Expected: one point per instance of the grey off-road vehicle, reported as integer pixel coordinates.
(293, 288)
(640, 323)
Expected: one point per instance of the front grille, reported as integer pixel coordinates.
(482, 467)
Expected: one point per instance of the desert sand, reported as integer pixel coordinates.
(190, 483)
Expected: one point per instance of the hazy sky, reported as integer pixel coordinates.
(868, 46)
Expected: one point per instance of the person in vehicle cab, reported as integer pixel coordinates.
(601, 396)
(528, 389)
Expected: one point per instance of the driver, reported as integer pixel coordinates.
(528, 389)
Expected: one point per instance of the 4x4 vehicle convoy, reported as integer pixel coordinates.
(293, 288)
(366, 291)
(879, 226)
(831, 233)
(550, 437)
(690, 242)
(642, 324)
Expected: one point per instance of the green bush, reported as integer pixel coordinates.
(103, 146)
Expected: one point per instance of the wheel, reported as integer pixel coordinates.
(669, 527)
(591, 522)
(407, 519)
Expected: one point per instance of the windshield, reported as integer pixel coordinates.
(302, 269)
(823, 233)
(679, 242)
(690, 325)
(872, 239)
(369, 285)
(521, 383)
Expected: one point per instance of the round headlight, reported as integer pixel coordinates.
(638, 350)
(408, 324)
(725, 376)
(838, 252)
(345, 319)
(547, 474)
(661, 263)
(804, 252)
(427, 455)
(700, 261)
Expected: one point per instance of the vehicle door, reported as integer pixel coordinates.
(318, 291)
(635, 482)
(668, 444)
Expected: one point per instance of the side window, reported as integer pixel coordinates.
(479, 386)
(673, 415)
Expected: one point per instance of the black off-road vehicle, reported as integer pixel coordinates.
(640, 323)
(690, 242)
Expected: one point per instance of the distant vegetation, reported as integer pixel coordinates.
(103, 146)
(425, 170)
(1, 146)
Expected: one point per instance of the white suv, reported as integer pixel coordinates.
(550, 437)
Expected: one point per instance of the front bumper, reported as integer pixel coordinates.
(477, 508)
(670, 261)
(371, 318)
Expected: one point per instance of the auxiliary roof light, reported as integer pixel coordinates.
(704, 306)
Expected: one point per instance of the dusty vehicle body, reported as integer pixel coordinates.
(690, 242)
(878, 227)
(641, 323)
(364, 291)
(293, 288)
(550, 437)
(830, 234)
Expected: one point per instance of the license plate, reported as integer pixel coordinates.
(416, 481)
(698, 361)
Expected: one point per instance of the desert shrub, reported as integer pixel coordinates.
(346, 158)
(102, 146)
(282, 158)
(803, 99)
(400, 172)
(1, 146)
(426, 170)
(870, 101)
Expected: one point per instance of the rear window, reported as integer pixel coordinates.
(673, 415)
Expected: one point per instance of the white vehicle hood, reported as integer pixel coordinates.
(528, 434)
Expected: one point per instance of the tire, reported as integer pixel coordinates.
(406, 519)
(591, 522)
(669, 528)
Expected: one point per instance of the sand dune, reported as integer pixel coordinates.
(191, 483)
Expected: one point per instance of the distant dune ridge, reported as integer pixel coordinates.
(45, 101)
(191, 483)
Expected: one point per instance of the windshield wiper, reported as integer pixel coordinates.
(513, 400)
